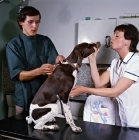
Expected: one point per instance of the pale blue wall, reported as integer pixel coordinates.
(60, 18)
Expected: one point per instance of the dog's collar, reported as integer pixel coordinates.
(74, 65)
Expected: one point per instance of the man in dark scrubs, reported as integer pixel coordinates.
(31, 58)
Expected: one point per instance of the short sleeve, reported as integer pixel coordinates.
(132, 70)
(15, 61)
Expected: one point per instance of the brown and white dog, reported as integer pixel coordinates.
(45, 105)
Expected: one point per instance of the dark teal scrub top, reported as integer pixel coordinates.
(28, 53)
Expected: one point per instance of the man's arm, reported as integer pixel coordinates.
(45, 69)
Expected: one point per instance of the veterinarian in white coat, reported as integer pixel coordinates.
(123, 75)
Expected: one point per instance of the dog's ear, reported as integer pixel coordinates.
(80, 58)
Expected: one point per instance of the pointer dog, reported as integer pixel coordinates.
(45, 105)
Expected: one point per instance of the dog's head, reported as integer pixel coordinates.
(83, 50)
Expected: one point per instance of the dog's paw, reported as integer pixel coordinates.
(56, 127)
(51, 127)
(76, 129)
(52, 120)
(29, 120)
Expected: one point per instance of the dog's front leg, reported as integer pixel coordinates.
(69, 118)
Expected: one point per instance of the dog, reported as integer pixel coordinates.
(55, 90)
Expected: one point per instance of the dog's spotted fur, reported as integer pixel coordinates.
(45, 105)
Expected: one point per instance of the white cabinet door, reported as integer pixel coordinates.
(134, 21)
(97, 30)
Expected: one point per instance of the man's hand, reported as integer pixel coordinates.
(60, 59)
(47, 69)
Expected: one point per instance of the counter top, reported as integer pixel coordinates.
(81, 98)
(17, 126)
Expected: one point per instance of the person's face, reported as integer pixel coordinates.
(118, 41)
(30, 25)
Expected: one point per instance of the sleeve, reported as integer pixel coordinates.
(52, 52)
(132, 70)
(109, 68)
(14, 60)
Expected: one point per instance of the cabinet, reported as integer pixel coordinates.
(77, 109)
(98, 30)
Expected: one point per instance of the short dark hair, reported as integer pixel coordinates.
(130, 33)
(27, 11)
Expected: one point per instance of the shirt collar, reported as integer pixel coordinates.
(128, 57)
(28, 37)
